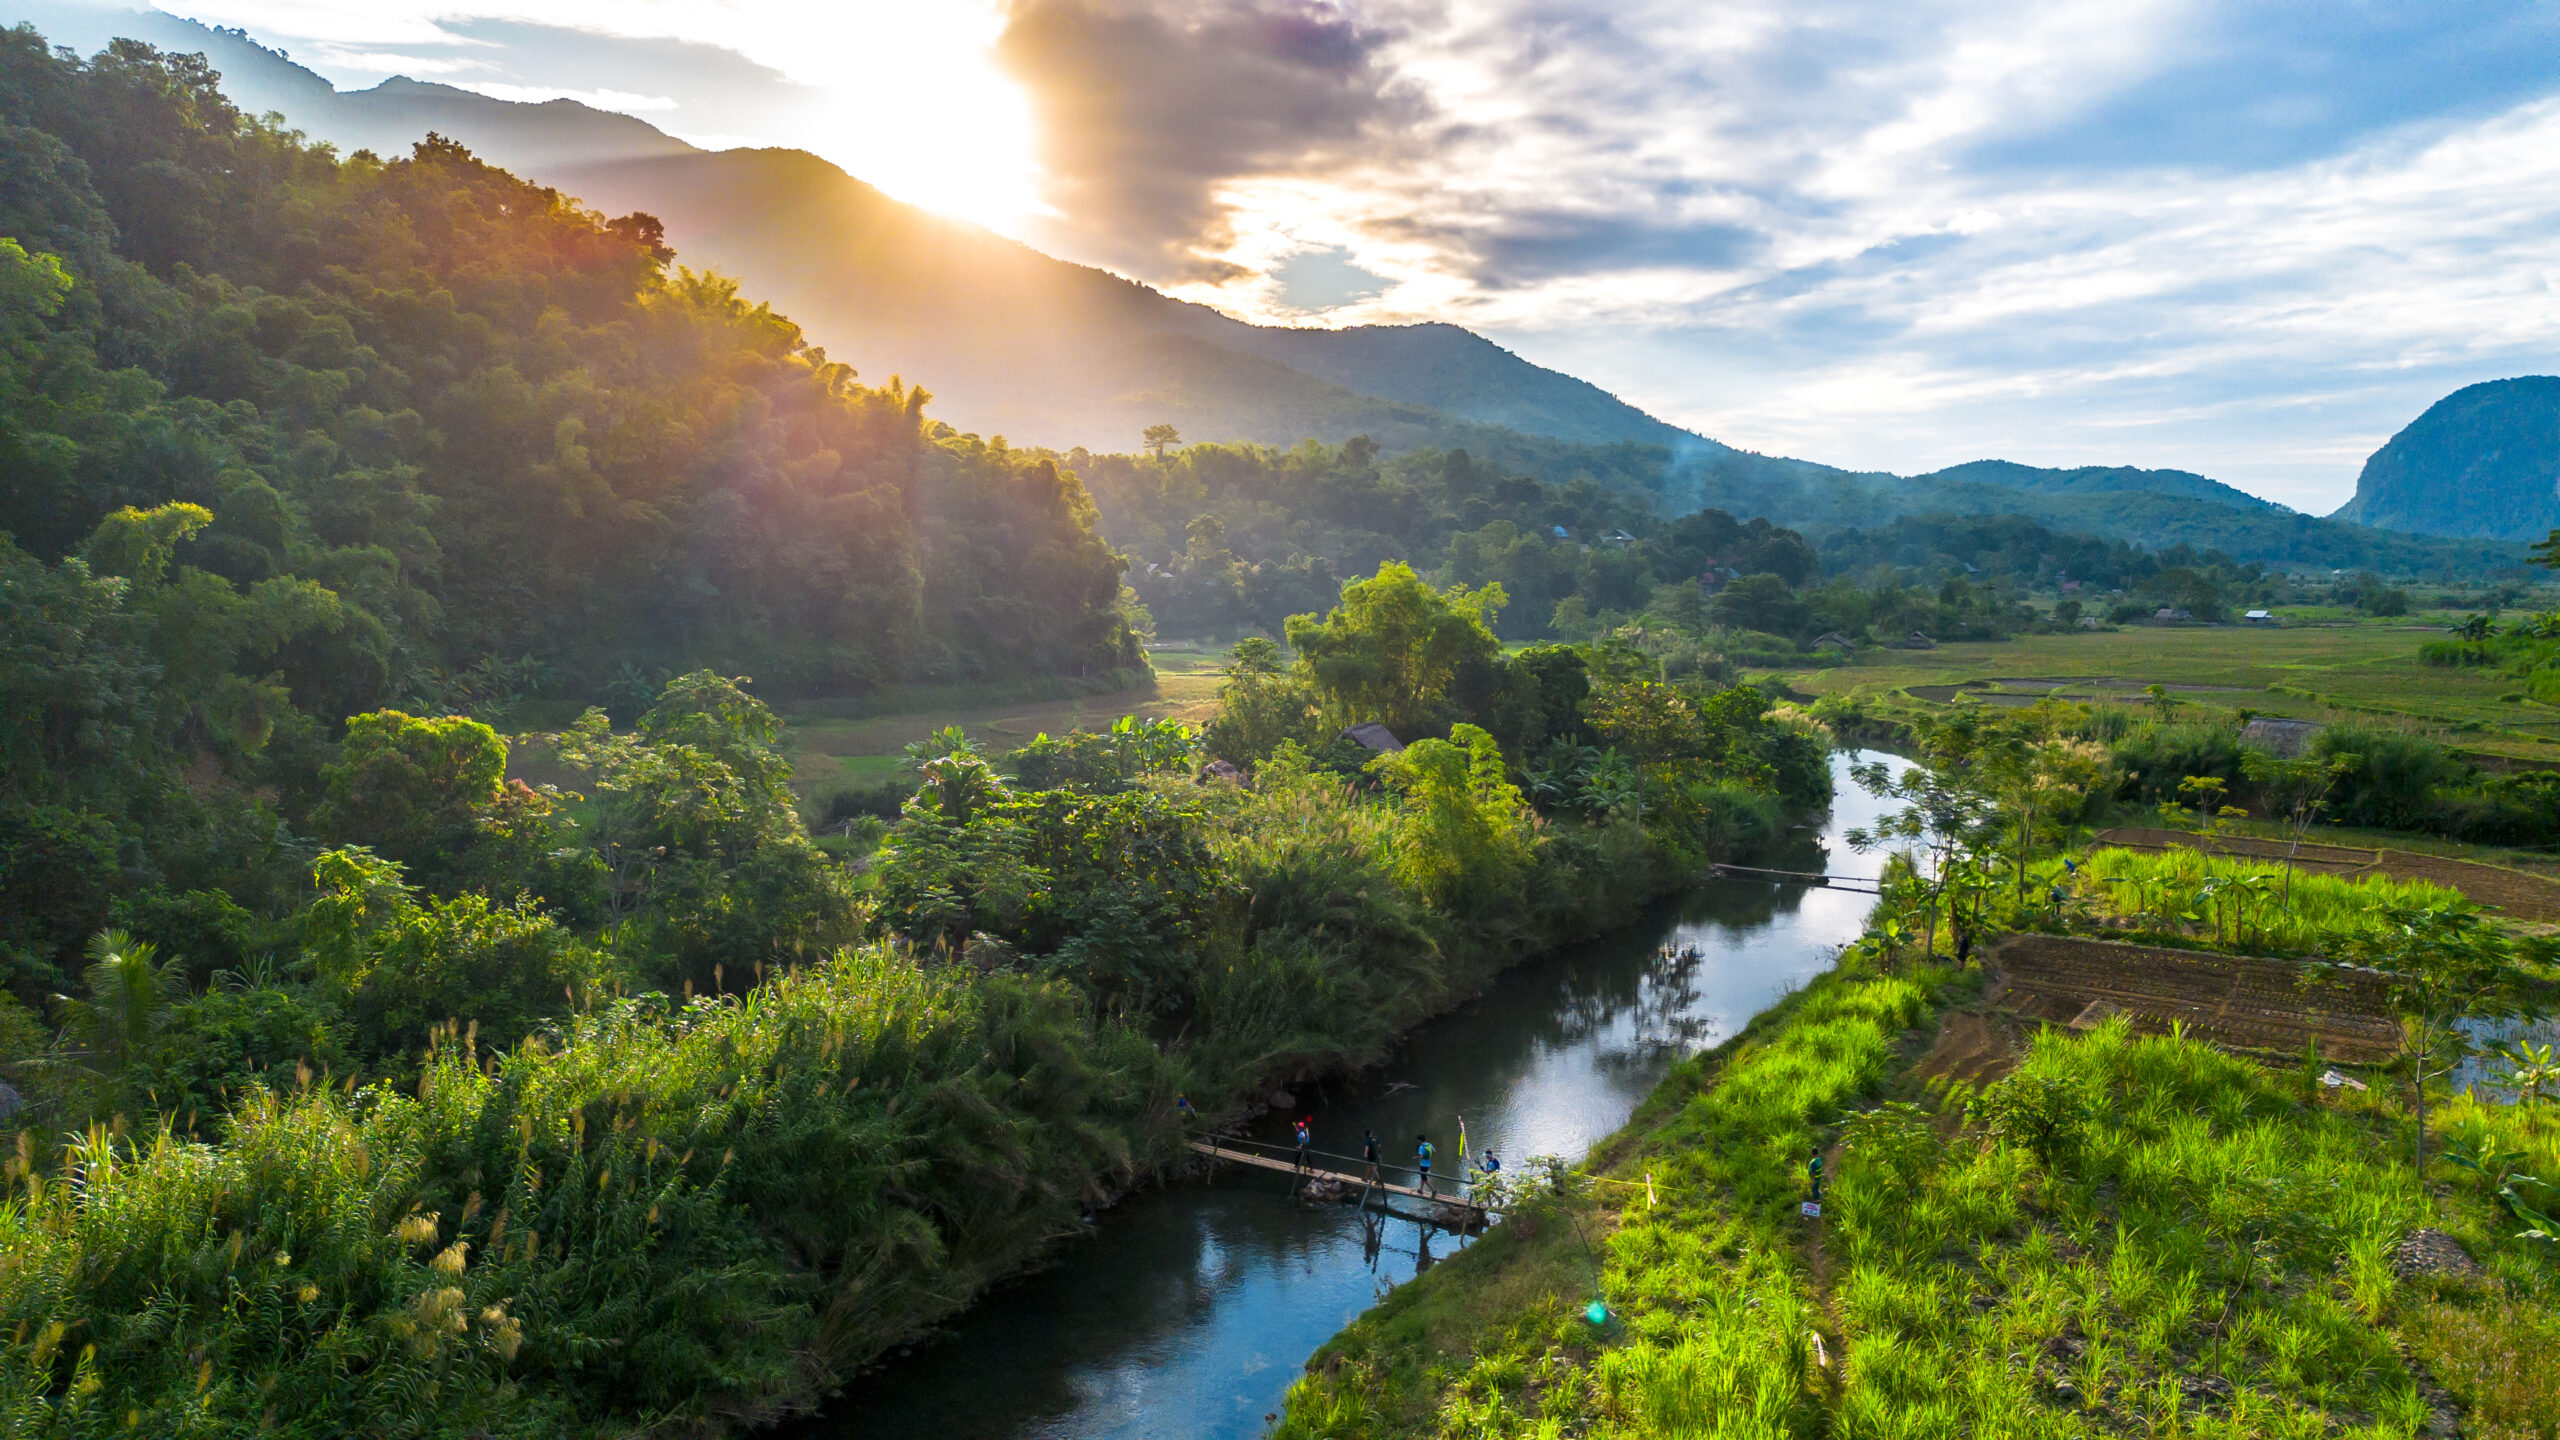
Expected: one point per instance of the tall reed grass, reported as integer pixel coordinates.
(662, 1215)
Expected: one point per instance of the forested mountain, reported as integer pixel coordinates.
(2483, 461)
(2097, 480)
(2105, 503)
(286, 438)
(1224, 538)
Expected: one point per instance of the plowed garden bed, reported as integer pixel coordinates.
(2236, 1001)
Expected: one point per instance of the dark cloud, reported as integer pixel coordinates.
(1145, 109)
(1526, 247)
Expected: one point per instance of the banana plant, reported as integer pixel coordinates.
(2533, 1071)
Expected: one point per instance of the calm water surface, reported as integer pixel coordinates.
(1190, 1309)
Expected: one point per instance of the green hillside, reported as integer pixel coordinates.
(2096, 480)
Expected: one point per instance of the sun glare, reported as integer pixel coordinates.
(907, 97)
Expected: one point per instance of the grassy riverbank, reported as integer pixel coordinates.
(2117, 1235)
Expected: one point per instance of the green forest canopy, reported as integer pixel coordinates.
(286, 438)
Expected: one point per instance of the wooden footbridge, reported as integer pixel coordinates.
(1862, 884)
(1243, 1152)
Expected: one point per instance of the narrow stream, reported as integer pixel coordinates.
(1191, 1308)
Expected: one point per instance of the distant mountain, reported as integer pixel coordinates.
(1817, 499)
(2098, 480)
(386, 119)
(1047, 353)
(2483, 461)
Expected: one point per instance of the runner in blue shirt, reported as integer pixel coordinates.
(1422, 1161)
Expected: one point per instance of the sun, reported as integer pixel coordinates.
(914, 102)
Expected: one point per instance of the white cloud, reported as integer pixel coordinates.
(1904, 302)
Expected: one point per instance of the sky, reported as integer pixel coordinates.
(2246, 239)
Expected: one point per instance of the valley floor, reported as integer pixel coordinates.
(2316, 672)
(835, 751)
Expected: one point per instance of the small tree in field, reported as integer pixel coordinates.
(2442, 966)
(2299, 788)
(1949, 823)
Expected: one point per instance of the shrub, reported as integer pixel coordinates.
(2156, 757)
(2456, 652)
(401, 966)
(214, 1046)
(2391, 779)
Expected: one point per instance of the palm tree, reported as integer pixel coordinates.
(124, 1006)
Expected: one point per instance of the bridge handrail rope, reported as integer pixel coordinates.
(1223, 1142)
(1721, 868)
(1461, 1176)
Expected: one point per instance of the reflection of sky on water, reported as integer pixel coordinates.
(2482, 1068)
(1190, 1309)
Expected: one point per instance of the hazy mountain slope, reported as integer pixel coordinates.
(1018, 342)
(1818, 499)
(2096, 480)
(1461, 373)
(2484, 461)
(386, 119)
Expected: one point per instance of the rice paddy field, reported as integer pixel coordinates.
(2307, 671)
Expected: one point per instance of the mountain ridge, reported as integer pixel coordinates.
(1057, 355)
(2102, 480)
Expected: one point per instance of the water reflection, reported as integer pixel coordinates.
(1190, 1309)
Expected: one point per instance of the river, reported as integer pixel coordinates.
(1191, 1308)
